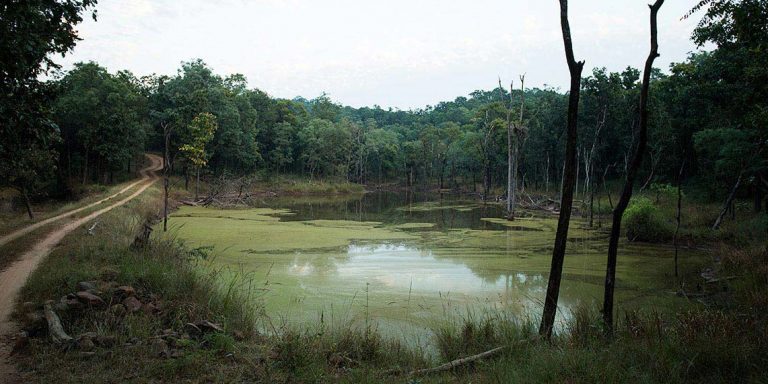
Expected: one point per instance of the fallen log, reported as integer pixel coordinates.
(465, 360)
(716, 280)
(458, 362)
(55, 329)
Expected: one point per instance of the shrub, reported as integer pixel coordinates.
(643, 221)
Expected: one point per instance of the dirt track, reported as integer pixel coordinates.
(13, 277)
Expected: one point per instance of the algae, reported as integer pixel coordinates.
(408, 270)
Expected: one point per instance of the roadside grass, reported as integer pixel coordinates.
(10, 252)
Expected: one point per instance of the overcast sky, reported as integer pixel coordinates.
(394, 53)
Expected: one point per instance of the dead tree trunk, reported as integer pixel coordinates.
(566, 202)
(510, 154)
(27, 203)
(590, 164)
(519, 136)
(197, 182)
(55, 329)
(626, 194)
(728, 202)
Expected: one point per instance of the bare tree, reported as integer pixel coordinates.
(590, 163)
(569, 173)
(728, 201)
(634, 165)
(516, 132)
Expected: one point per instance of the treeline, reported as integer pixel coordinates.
(696, 117)
(708, 113)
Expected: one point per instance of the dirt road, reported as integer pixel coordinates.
(23, 231)
(12, 278)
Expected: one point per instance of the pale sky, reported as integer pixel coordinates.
(396, 53)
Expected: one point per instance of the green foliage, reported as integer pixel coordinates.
(103, 118)
(201, 131)
(666, 192)
(30, 32)
(643, 221)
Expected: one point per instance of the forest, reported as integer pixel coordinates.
(706, 113)
(623, 158)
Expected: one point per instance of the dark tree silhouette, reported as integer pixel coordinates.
(569, 179)
(637, 159)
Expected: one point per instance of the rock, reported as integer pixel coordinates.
(149, 308)
(34, 321)
(86, 286)
(22, 341)
(90, 299)
(69, 302)
(125, 291)
(117, 310)
(132, 304)
(106, 341)
(85, 344)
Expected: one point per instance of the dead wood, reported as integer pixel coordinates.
(55, 329)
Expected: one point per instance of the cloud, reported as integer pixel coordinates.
(399, 53)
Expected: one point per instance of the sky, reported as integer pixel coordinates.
(402, 54)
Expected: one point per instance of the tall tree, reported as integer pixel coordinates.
(634, 166)
(30, 32)
(569, 174)
(201, 130)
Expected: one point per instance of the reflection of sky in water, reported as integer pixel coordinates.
(404, 267)
(403, 270)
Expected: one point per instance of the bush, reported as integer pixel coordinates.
(643, 221)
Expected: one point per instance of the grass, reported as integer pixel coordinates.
(722, 340)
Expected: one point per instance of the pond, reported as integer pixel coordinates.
(407, 263)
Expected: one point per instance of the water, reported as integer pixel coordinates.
(407, 264)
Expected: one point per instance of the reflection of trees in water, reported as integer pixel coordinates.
(383, 207)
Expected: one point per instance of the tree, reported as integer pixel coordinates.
(201, 129)
(626, 193)
(738, 67)
(103, 118)
(516, 132)
(29, 33)
(569, 173)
